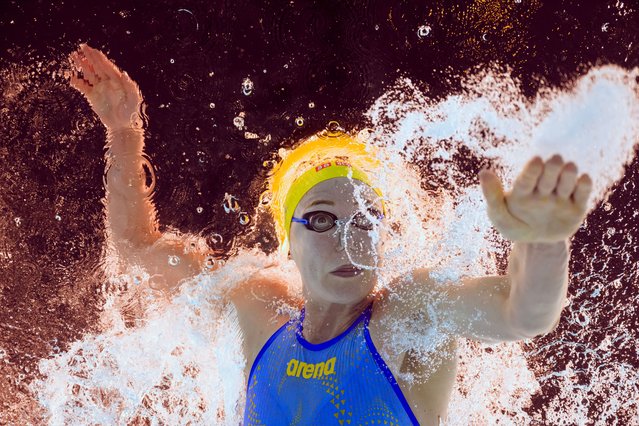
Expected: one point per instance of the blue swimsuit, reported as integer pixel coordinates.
(343, 381)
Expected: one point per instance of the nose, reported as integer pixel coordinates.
(341, 235)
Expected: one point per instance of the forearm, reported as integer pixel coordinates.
(126, 140)
(539, 284)
(130, 212)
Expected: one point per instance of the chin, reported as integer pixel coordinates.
(350, 290)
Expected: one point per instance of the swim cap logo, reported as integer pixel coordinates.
(322, 166)
(307, 371)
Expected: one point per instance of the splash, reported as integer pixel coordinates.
(592, 123)
(182, 361)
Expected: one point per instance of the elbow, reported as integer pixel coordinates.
(529, 327)
(529, 334)
(530, 331)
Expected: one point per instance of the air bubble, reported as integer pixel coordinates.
(238, 122)
(311, 104)
(215, 238)
(199, 209)
(174, 260)
(334, 127)
(299, 121)
(244, 218)
(212, 105)
(247, 86)
(266, 197)
(423, 31)
(18, 221)
(230, 203)
(209, 262)
(58, 217)
(364, 134)
(172, 61)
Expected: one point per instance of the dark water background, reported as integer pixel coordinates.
(338, 56)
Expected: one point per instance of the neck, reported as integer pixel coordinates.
(324, 321)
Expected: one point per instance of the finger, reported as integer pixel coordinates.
(86, 68)
(527, 180)
(83, 83)
(548, 180)
(129, 84)
(492, 188)
(582, 191)
(94, 61)
(74, 57)
(101, 63)
(497, 209)
(79, 84)
(567, 181)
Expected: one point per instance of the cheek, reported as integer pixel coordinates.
(309, 249)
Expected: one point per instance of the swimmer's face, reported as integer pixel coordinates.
(318, 254)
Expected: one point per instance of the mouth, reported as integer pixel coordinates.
(346, 271)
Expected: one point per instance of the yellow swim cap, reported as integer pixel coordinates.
(324, 171)
(324, 156)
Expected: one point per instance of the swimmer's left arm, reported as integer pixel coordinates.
(524, 303)
(545, 208)
(538, 274)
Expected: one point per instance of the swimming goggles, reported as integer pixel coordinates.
(322, 221)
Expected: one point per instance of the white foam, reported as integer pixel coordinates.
(183, 363)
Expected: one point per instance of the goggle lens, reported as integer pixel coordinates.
(321, 221)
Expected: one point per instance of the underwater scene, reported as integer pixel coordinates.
(92, 332)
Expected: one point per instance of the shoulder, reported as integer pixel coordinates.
(263, 303)
(405, 297)
(263, 292)
(398, 309)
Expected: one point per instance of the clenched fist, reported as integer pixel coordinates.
(547, 203)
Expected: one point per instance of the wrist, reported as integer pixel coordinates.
(125, 141)
(559, 250)
(547, 245)
(124, 130)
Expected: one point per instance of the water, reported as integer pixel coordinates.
(82, 340)
(186, 353)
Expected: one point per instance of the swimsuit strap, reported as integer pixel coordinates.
(366, 313)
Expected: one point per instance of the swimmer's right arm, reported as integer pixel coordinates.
(131, 215)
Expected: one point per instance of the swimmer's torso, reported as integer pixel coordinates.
(341, 381)
(290, 395)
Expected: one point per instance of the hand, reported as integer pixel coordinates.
(114, 97)
(547, 203)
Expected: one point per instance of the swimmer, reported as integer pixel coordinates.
(324, 366)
